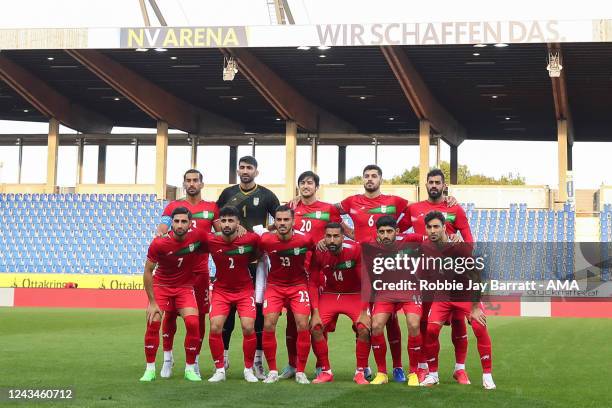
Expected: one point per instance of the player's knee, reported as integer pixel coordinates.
(377, 327)
(269, 326)
(317, 334)
(216, 327)
(363, 334)
(302, 325)
(248, 330)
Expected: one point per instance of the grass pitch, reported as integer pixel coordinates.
(537, 362)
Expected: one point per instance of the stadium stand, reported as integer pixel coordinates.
(110, 234)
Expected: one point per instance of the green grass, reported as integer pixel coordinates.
(538, 362)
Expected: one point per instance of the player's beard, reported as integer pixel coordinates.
(332, 248)
(228, 232)
(246, 178)
(179, 232)
(434, 194)
(307, 195)
(371, 187)
(193, 192)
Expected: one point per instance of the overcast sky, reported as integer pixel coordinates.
(537, 161)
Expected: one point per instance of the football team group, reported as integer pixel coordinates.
(309, 263)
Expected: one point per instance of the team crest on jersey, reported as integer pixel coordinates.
(383, 209)
(255, 200)
(191, 247)
(296, 251)
(241, 250)
(318, 214)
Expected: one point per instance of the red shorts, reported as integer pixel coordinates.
(456, 314)
(393, 307)
(294, 298)
(171, 299)
(221, 302)
(331, 305)
(201, 288)
(442, 311)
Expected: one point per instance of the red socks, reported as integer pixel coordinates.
(168, 330)
(151, 341)
(379, 348)
(415, 350)
(269, 347)
(249, 345)
(484, 346)
(303, 349)
(215, 342)
(192, 338)
(322, 352)
(394, 334)
(291, 339)
(432, 346)
(202, 329)
(460, 340)
(362, 353)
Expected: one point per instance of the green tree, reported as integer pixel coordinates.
(464, 176)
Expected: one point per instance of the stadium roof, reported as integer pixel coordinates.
(499, 93)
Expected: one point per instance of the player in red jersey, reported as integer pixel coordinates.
(311, 217)
(456, 221)
(287, 286)
(449, 303)
(338, 272)
(385, 304)
(233, 287)
(173, 257)
(365, 209)
(203, 215)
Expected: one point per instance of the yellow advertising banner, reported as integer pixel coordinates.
(59, 280)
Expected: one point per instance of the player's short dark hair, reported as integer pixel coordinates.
(283, 208)
(229, 211)
(432, 215)
(372, 167)
(181, 210)
(386, 221)
(434, 173)
(193, 171)
(248, 160)
(310, 174)
(334, 225)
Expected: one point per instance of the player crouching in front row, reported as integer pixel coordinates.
(173, 257)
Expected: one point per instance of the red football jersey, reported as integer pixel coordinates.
(232, 260)
(456, 220)
(176, 259)
(312, 219)
(287, 258)
(365, 211)
(203, 215)
(339, 273)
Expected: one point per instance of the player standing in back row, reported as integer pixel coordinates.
(456, 220)
(255, 205)
(204, 213)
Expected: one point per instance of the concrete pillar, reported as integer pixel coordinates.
(233, 164)
(20, 163)
(52, 149)
(161, 159)
(102, 164)
(136, 148)
(454, 166)
(194, 152)
(341, 164)
(424, 135)
(80, 153)
(562, 157)
(314, 147)
(290, 158)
